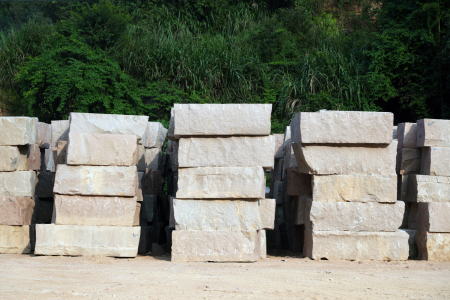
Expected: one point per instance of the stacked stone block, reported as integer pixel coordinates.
(353, 213)
(220, 212)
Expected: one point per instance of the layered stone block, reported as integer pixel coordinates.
(434, 217)
(407, 135)
(20, 183)
(77, 240)
(155, 135)
(433, 246)
(422, 188)
(221, 183)
(435, 161)
(327, 160)
(267, 209)
(16, 210)
(218, 245)
(226, 152)
(15, 239)
(18, 131)
(348, 245)
(433, 133)
(409, 161)
(60, 132)
(342, 127)
(96, 180)
(221, 119)
(13, 159)
(44, 135)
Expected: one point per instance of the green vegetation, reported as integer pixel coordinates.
(141, 57)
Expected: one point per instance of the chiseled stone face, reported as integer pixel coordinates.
(102, 149)
(433, 246)
(97, 211)
(226, 152)
(353, 216)
(17, 131)
(327, 160)
(221, 183)
(355, 188)
(342, 127)
(435, 161)
(60, 132)
(44, 135)
(222, 119)
(82, 240)
(267, 210)
(96, 180)
(279, 146)
(407, 135)
(15, 239)
(155, 135)
(12, 159)
(20, 183)
(409, 161)
(349, 245)
(424, 188)
(434, 217)
(234, 215)
(216, 245)
(16, 210)
(433, 133)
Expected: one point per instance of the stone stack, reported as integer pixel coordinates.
(353, 213)
(220, 210)
(17, 182)
(429, 192)
(95, 189)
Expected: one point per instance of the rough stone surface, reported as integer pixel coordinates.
(16, 210)
(435, 161)
(409, 161)
(221, 183)
(235, 215)
(140, 164)
(152, 183)
(44, 184)
(15, 239)
(218, 245)
(433, 246)
(44, 135)
(433, 217)
(61, 152)
(407, 135)
(96, 180)
(423, 188)
(137, 214)
(433, 133)
(348, 245)
(263, 243)
(34, 157)
(155, 135)
(20, 183)
(279, 146)
(298, 184)
(298, 207)
(226, 152)
(60, 132)
(12, 159)
(108, 124)
(17, 131)
(267, 211)
(49, 160)
(323, 160)
(342, 127)
(355, 188)
(82, 240)
(98, 211)
(153, 159)
(349, 216)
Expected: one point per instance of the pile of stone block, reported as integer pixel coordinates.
(95, 190)
(353, 213)
(17, 182)
(220, 210)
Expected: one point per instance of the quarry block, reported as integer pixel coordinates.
(18, 131)
(279, 146)
(60, 132)
(33, 158)
(435, 161)
(44, 135)
(407, 135)
(16, 210)
(433, 133)
(155, 135)
(153, 159)
(423, 188)
(409, 161)
(433, 246)
(21, 183)
(15, 239)
(267, 209)
(434, 217)
(298, 184)
(13, 159)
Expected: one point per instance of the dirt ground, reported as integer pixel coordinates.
(278, 277)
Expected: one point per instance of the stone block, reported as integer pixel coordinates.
(97, 211)
(61, 153)
(96, 180)
(348, 245)
(402, 187)
(433, 133)
(406, 215)
(354, 188)
(409, 161)
(18, 131)
(326, 160)
(137, 214)
(21, 183)
(221, 183)
(140, 164)
(139, 194)
(145, 241)
(60, 132)
(435, 161)
(433, 246)
(226, 152)
(423, 188)
(34, 157)
(433, 217)
(44, 184)
(298, 184)
(13, 158)
(218, 245)
(267, 211)
(83, 240)
(263, 243)
(152, 183)
(15, 239)
(153, 159)
(16, 210)
(353, 216)
(342, 127)
(221, 119)
(50, 160)
(155, 135)
(407, 135)
(413, 253)
(149, 206)
(44, 135)
(102, 149)
(279, 146)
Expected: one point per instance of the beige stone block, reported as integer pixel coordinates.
(44, 135)
(15, 239)
(342, 127)
(83, 240)
(221, 119)
(407, 135)
(98, 211)
(435, 161)
(298, 184)
(137, 214)
(353, 216)
(153, 159)
(140, 164)
(60, 132)
(409, 161)
(12, 160)
(279, 146)
(402, 187)
(102, 149)
(263, 243)
(434, 217)
(423, 188)
(348, 245)
(155, 135)
(326, 160)
(16, 210)
(21, 183)
(34, 158)
(235, 215)
(44, 184)
(217, 245)
(139, 194)
(267, 211)
(152, 183)
(50, 160)
(433, 246)
(433, 133)
(17, 131)
(221, 183)
(354, 188)
(96, 180)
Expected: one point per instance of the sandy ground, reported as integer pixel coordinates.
(278, 277)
